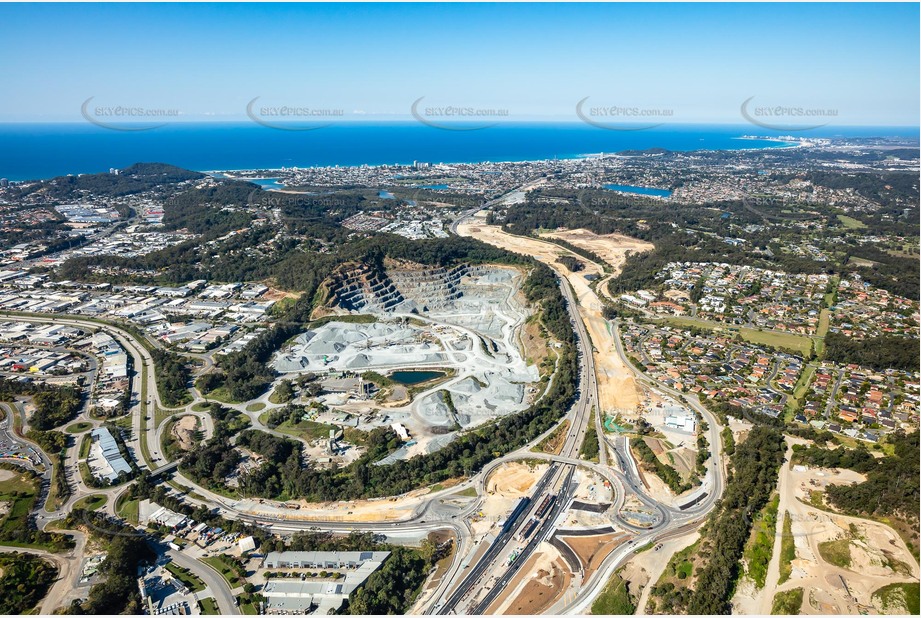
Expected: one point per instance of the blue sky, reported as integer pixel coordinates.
(700, 61)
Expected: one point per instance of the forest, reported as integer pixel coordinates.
(25, 580)
(751, 480)
(173, 377)
(880, 353)
(54, 405)
(892, 485)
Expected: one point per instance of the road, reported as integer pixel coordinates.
(429, 516)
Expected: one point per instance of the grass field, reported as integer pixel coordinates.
(837, 553)
(760, 545)
(789, 341)
(308, 430)
(222, 395)
(208, 607)
(851, 223)
(229, 575)
(85, 443)
(787, 549)
(255, 407)
(127, 509)
(615, 599)
(78, 427)
(192, 582)
(787, 603)
(91, 503)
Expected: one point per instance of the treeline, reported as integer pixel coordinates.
(751, 479)
(892, 486)
(25, 580)
(172, 378)
(246, 374)
(54, 405)
(664, 471)
(858, 459)
(134, 179)
(118, 592)
(54, 444)
(880, 353)
(571, 263)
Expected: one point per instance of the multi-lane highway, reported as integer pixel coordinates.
(466, 587)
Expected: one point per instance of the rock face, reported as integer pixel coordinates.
(399, 288)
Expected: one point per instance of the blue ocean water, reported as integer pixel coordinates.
(29, 151)
(639, 190)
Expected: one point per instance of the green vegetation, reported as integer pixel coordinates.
(837, 553)
(255, 407)
(289, 420)
(729, 443)
(283, 393)
(787, 549)
(85, 443)
(882, 352)
(787, 603)
(208, 607)
(760, 545)
(78, 427)
(16, 527)
(55, 407)
(664, 471)
(615, 599)
(553, 442)
(230, 568)
(173, 377)
(899, 598)
(92, 502)
(590, 445)
(54, 443)
(754, 475)
(851, 223)
(127, 508)
(25, 580)
(191, 581)
(892, 486)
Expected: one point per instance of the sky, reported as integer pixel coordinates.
(689, 62)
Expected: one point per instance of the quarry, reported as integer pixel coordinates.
(461, 323)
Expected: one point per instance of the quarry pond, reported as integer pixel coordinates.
(411, 378)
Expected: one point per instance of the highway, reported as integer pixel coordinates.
(430, 515)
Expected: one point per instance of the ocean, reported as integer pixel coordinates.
(33, 151)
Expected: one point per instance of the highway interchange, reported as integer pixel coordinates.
(461, 589)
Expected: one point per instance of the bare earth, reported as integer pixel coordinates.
(184, 432)
(617, 388)
(878, 555)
